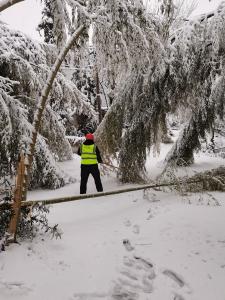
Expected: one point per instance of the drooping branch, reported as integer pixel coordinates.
(198, 73)
(182, 152)
(201, 122)
(4, 4)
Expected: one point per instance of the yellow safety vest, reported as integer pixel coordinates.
(88, 155)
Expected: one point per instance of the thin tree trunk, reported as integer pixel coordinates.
(4, 4)
(45, 93)
(98, 98)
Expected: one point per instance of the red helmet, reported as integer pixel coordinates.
(89, 136)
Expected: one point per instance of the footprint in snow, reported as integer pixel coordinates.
(180, 283)
(135, 279)
(178, 297)
(175, 277)
(149, 217)
(127, 245)
(13, 288)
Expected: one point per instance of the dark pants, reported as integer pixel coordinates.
(94, 171)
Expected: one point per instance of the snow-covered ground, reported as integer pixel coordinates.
(141, 245)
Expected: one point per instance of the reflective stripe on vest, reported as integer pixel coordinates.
(88, 155)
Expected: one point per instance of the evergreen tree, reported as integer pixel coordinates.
(151, 66)
(47, 21)
(139, 106)
(55, 22)
(24, 66)
(197, 60)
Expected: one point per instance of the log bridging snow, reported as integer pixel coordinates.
(101, 194)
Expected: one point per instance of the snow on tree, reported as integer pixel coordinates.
(131, 56)
(24, 69)
(46, 23)
(148, 75)
(55, 22)
(83, 75)
(137, 71)
(184, 70)
(197, 64)
(129, 49)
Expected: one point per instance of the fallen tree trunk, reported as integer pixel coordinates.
(213, 180)
(101, 194)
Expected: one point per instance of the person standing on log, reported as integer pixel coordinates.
(90, 157)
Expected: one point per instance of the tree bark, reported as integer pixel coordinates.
(4, 4)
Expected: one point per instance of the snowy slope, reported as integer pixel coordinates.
(141, 245)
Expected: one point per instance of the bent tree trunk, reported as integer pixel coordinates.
(4, 4)
(45, 93)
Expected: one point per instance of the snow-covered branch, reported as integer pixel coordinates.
(4, 4)
(24, 68)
